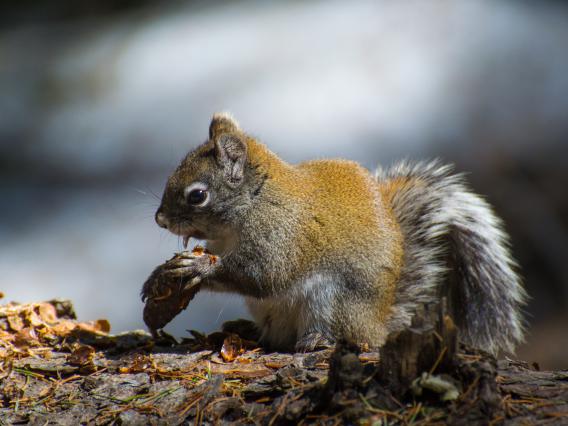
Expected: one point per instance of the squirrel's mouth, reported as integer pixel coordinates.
(187, 232)
(194, 234)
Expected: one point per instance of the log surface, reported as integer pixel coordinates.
(54, 369)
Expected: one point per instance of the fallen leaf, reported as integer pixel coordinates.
(63, 328)
(99, 326)
(25, 338)
(15, 322)
(33, 319)
(102, 325)
(232, 348)
(140, 363)
(81, 355)
(47, 312)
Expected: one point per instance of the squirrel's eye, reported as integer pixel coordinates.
(197, 197)
(196, 194)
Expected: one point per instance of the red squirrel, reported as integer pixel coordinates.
(325, 249)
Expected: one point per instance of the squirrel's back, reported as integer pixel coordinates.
(454, 246)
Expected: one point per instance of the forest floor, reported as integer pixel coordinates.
(56, 370)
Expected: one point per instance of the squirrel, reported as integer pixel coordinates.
(325, 250)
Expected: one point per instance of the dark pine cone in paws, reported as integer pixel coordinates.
(166, 296)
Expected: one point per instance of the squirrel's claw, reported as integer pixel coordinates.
(188, 266)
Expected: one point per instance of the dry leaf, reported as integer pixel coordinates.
(81, 355)
(25, 338)
(47, 312)
(63, 328)
(100, 326)
(232, 348)
(139, 364)
(6, 337)
(34, 320)
(15, 322)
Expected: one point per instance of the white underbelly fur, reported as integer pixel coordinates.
(307, 307)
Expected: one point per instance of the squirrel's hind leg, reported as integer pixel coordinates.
(311, 341)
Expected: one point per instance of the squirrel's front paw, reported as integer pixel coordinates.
(181, 271)
(172, 285)
(190, 264)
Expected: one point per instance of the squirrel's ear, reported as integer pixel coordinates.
(231, 155)
(222, 122)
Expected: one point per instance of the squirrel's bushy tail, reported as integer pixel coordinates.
(454, 246)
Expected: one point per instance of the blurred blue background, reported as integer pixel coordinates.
(100, 100)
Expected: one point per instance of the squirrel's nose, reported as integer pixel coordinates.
(161, 219)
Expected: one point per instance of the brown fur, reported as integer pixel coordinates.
(343, 217)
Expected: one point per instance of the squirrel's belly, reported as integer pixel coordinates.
(306, 307)
(277, 322)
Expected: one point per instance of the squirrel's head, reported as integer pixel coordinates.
(210, 188)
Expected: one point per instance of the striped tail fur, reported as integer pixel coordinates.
(456, 247)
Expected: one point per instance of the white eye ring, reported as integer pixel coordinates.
(197, 186)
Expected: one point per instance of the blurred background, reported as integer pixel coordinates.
(100, 100)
